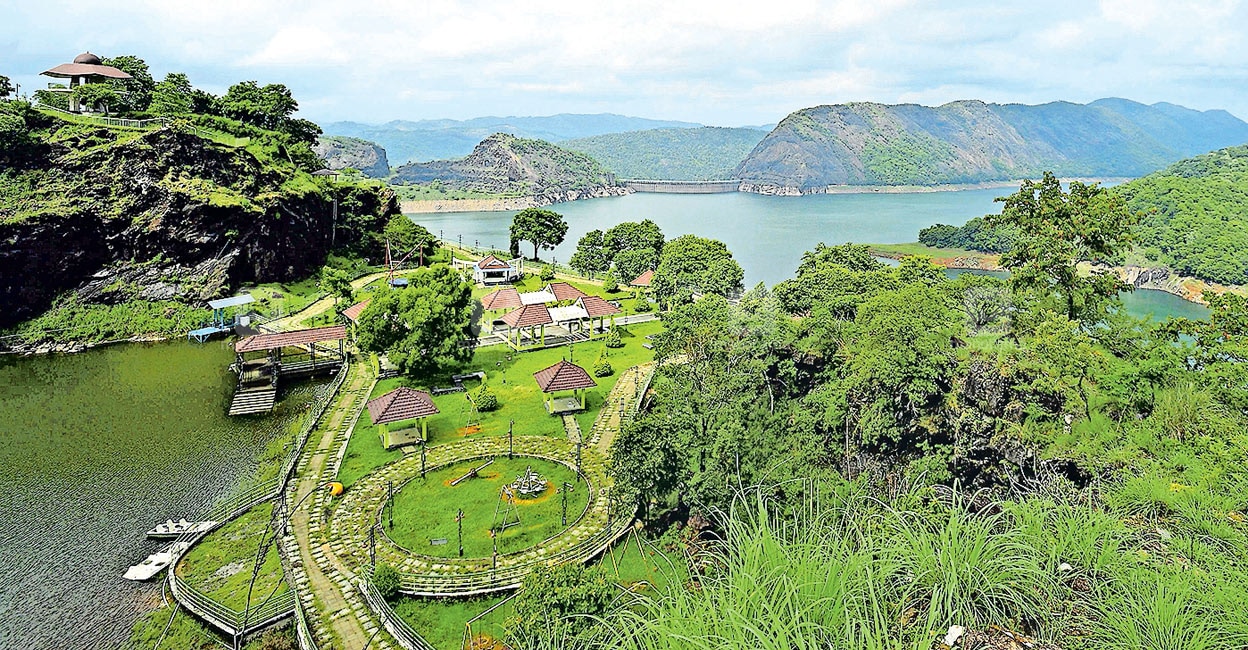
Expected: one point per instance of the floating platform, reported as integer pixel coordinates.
(156, 562)
(171, 528)
(256, 400)
(202, 334)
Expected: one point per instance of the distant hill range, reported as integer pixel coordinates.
(341, 152)
(972, 142)
(504, 165)
(684, 154)
(427, 140)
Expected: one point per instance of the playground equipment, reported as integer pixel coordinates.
(530, 484)
(472, 473)
(510, 515)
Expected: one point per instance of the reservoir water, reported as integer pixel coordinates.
(97, 448)
(768, 234)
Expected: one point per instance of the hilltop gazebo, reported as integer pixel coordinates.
(87, 68)
(401, 415)
(564, 377)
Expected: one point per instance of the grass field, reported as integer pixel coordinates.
(220, 565)
(424, 509)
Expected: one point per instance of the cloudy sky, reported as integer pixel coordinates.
(708, 61)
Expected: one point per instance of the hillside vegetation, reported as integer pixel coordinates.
(708, 153)
(504, 165)
(972, 141)
(338, 152)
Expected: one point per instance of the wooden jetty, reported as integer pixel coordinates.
(261, 360)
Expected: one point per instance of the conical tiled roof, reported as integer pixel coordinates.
(402, 403)
(564, 375)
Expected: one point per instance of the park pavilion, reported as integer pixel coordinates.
(530, 319)
(558, 381)
(564, 292)
(352, 315)
(491, 270)
(595, 307)
(401, 416)
(87, 68)
(643, 281)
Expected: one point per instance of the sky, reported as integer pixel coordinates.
(717, 62)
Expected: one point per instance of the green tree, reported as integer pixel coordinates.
(634, 235)
(422, 326)
(271, 107)
(49, 97)
(609, 283)
(386, 580)
(408, 237)
(97, 97)
(633, 262)
(556, 602)
(336, 283)
(543, 228)
(1055, 231)
(172, 96)
(6, 87)
(592, 255)
(134, 94)
(692, 264)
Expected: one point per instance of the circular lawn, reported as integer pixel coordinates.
(425, 509)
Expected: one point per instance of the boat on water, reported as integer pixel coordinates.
(156, 562)
(173, 528)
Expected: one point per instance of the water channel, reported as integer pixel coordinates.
(97, 448)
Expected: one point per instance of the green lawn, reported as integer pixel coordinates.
(510, 376)
(441, 620)
(220, 565)
(424, 509)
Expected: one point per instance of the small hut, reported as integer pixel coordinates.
(597, 308)
(491, 270)
(558, 381)
(401, 416)
(564, 292)
(643, 281)
(533, 318)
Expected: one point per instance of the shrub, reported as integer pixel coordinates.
(386, 580)
(609, 284)
(548, 273)
(613, 338)
(602, 368)
(642, 306)
(485, 399)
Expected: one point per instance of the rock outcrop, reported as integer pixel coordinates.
(353, 153)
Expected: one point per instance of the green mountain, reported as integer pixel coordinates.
(340, 152)
(504, 165)
(707, 153)
(1195, 215)
(169, 214)
(425, 140)
(972, 141)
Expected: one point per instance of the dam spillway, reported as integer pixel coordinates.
(682, 187)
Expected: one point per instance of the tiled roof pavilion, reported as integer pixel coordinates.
(402, 403)
(564, 375)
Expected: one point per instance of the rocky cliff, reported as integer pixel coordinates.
(342, 153)
(504, 165)
(816, 149)
(119, 215)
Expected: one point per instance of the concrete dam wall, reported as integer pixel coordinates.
(682, 187)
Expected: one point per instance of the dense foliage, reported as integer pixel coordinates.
(540, 227)
(420, 326)
(707, 153)
(626, 250)
(692, 265)
(975, 235)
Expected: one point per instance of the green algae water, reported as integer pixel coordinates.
(768, 234)
(98, 447)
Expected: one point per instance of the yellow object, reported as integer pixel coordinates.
(335, 489)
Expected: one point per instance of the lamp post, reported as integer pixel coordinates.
(510, 425)
(564, 494)
(459, 520)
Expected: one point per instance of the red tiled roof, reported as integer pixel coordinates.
(285, 339)
(595, 307)
(402, 403)
(564, 375)
(353, 312)
(528, 316)
(491, 262)
(564, 291)
(505, 298)
(82, 69)
(642, 280)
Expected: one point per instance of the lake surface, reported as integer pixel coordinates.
(768, 234)
(97, 448)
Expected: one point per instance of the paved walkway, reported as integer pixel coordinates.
(340, 619)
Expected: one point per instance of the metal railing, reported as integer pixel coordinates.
(404, 634)
(227, 618)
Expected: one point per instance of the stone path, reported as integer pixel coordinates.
(619, 405)
(337, 612)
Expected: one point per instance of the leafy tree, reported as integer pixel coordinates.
(172, 96)
(609, 283)
(6, 87)
(1056, 231)
(133, 94)
(336, 283)
(386, 580)
(52, 98)
(602, 367)
(547, 274)
(97, 97)
(484, 399)
(421, 327)
(634, 235)
(269, 107)
(592, 255)
(692, 264)
(612, 339)
(543, 228)
(1069, 358)
(205, 103)
(633, 262)
(406, 236)
(560, 601)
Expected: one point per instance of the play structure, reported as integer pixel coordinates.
(472, 473)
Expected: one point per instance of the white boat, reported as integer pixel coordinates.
(173, 528)
(156, 562)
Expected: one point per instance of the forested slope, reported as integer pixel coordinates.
(708, 153)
